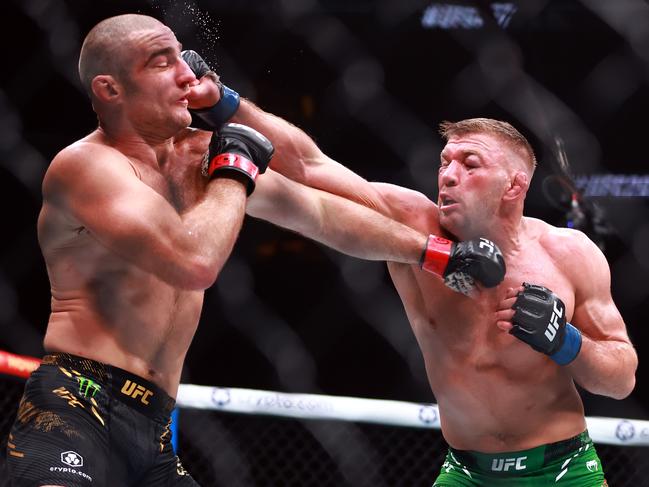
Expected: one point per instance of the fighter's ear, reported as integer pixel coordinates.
(106, 88)
(517, 186)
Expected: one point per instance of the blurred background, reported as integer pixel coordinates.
(369, 81)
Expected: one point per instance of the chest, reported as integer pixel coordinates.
(434, 309)
(178, 180)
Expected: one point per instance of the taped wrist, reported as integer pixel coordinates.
(234, 162)
(570, 347)
(436, 255)
(218, 114)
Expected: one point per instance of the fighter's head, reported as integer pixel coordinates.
(131, 68)
(486, 168)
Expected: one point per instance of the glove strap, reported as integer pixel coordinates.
(225, 108)
(436, 255)
(234, 162)
(570, 348)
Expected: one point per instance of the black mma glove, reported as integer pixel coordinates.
(239, 148)
(540, 321)
(211, 118)
(459, 263)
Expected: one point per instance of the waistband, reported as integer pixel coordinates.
(130, 389)
(517, 462)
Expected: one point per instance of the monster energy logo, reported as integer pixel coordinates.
(87, 387)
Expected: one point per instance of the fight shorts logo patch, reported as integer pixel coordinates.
(592, 466)
(504, 464)
(72, 459)
(134, 390)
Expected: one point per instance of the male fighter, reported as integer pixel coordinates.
(132, 232)
(502, 364)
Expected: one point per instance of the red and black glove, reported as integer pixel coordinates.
(239, 148)
(461, 263)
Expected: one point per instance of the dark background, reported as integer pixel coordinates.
(370, 84)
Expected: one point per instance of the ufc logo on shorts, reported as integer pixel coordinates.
(553, 326)
(504, 464)
(134, 390)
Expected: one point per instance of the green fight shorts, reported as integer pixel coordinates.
(568, 463)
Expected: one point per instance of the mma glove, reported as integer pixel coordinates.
(240, 149)
(540, 321)
(461, 263)
(211, 118)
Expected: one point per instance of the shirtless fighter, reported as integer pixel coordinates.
(132, 232)
(502, 364)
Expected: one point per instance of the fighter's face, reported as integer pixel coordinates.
(157, 82)
(472, 179)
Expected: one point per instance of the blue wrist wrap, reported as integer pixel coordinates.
(570, 348)
(225, 108)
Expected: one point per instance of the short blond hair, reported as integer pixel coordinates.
(498, 128)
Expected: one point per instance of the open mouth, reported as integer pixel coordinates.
(446, 201)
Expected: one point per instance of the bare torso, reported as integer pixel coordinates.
(106, 308)
(495, 392)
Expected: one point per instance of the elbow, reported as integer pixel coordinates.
(628, 386)
(198, 275)
(625, 389)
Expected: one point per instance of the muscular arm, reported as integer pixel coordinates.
(607, 361)
(334, 221)
(96, 187)
(298, 158)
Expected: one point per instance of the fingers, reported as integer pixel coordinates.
(505, 313)
(504, 325)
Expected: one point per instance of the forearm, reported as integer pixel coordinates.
(606, 368)
(202, 242)
(298, 157)
(361, 232)
(334, 221)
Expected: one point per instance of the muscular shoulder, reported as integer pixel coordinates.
(562, 243)
(574, 253)
(80, 158)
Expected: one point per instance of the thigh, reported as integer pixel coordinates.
(454, 474)
(168, 472)
(55, 444)
(582, 469)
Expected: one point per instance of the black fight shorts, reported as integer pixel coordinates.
(81, 423)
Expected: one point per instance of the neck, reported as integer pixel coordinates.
(145, 148)
(505, 230)
(507, 233)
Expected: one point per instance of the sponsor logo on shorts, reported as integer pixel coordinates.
(72, 458)
(592, 465)
(87, 387)
(74, 461)
(134, 391)
(625, 430)
(504, 464)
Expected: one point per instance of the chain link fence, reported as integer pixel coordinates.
(236, 450)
